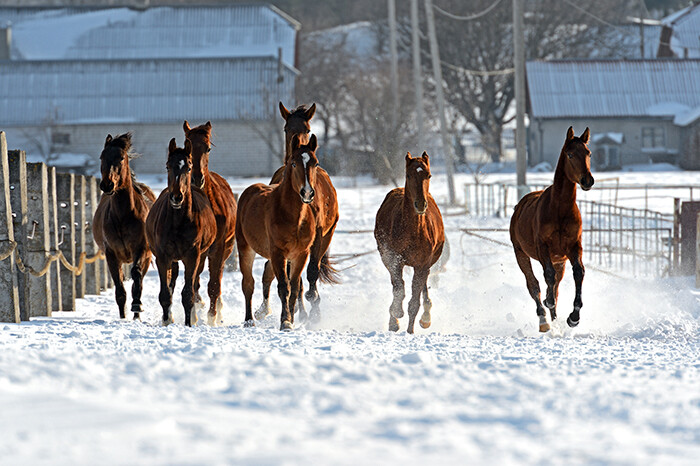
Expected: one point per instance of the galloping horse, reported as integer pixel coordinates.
(409, 232)
(325, 210)
(180, 226)
(120, 220)
(222, 203)
(546, 226)
(278, 223)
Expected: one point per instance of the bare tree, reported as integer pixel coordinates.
(46, 139)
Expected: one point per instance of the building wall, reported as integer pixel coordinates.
(690, 159)
(546, 138)
(239, 149)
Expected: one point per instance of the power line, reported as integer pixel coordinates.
(466, 18)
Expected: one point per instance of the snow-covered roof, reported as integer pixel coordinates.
(159, 32)
(685, 40)
(617, 138)
(612, 88)
(142, 91)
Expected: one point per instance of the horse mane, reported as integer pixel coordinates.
(300, 111)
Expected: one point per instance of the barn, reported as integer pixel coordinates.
(70, 76)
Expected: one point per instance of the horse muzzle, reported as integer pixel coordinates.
(586, 182)
(420, 207)
(176, 201)
(107, 187)
(307, 196)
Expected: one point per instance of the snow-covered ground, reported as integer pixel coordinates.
(480, 386)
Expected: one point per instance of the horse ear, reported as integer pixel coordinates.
(188, 146)
(108, 140)
(309, 114)
(313, 143)
(284, 112)
(172, 146)
(208, 124)
(570, 133)
(425, 156)
(186, 127)
(408, 158)
(585, 136)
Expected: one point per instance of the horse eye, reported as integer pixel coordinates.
(208, 149)
(294, 164)
(430, 176)
(307, 131)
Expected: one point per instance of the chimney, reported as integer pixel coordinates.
(5, 42)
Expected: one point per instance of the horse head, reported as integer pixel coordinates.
(297, 123)
(301, 168)
(114, 163)
(179, 167)
(418, 181)
(578, 159)
(200, 137)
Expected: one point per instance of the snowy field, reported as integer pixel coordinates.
(480, 386)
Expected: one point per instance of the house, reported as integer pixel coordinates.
(73, 75)
(642, 109)
(680, 37)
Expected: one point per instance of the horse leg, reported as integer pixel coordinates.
(138, 270)
(246, 256)
(198, 301)
(579, 271)
(393, 263)
(312, 273)
(217, 257)
(550, 275)
(297, 265)
(420, 279)
(279, 265)
(174, 272)
(115, 270)
(191, 267)
(559, 269)
(264, 309)
(533, 286)
(165, 272)
(427, 306)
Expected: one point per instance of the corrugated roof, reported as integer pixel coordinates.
(142, 91)
(159, 32)
(612, 88)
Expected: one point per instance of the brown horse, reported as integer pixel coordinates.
(409, 232)
(278, 223)
(120, 221)
(223, 204)
(325, 210)
(180, 226)
(546, 226)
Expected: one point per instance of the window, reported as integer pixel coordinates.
(653, 137)
(60, 138)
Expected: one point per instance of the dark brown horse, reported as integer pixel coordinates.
(546, 226)
(180, 226)
(324, 207)
(409, 232)
(223, 204)
(120, 221)
(278, 223)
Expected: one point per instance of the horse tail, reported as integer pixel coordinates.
(327, 273)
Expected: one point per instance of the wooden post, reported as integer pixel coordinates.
(65, 195)
(54, 229)
(676, 235)
(9, 292)
(80, 221)
(697, 252)
(18, 198)
(93, 278)
(36, 254)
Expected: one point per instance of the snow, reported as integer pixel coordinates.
(666, 109)
(686, 118)
(482, 385)
(615, 137)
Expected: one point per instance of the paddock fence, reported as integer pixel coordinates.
(48, 256)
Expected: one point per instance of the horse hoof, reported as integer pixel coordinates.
(424, 324)
(248, 324)
(286, 326)
(396, 313)
(137, 317)
(211, 320)
(572, 323)
(167, 322)
(393, 324)
(544, 328)
(263, 311)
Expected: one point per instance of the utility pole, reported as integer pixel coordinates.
(641, 28)
(417, 75)
(437, 74)
(394, 65)
(519, 59)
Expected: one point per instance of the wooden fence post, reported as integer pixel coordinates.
(80, 225)
(18, 198)
(676, 236)
(54, 228)
(697, 252)
(92, 271)
(36, 253)
(65, 194)
(9, 293)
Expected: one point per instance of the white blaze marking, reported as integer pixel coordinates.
(182, 164)
(419, 169)
(306, 157)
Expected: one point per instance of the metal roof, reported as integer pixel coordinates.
(612, 88)
(158, 32)
(142, 91)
